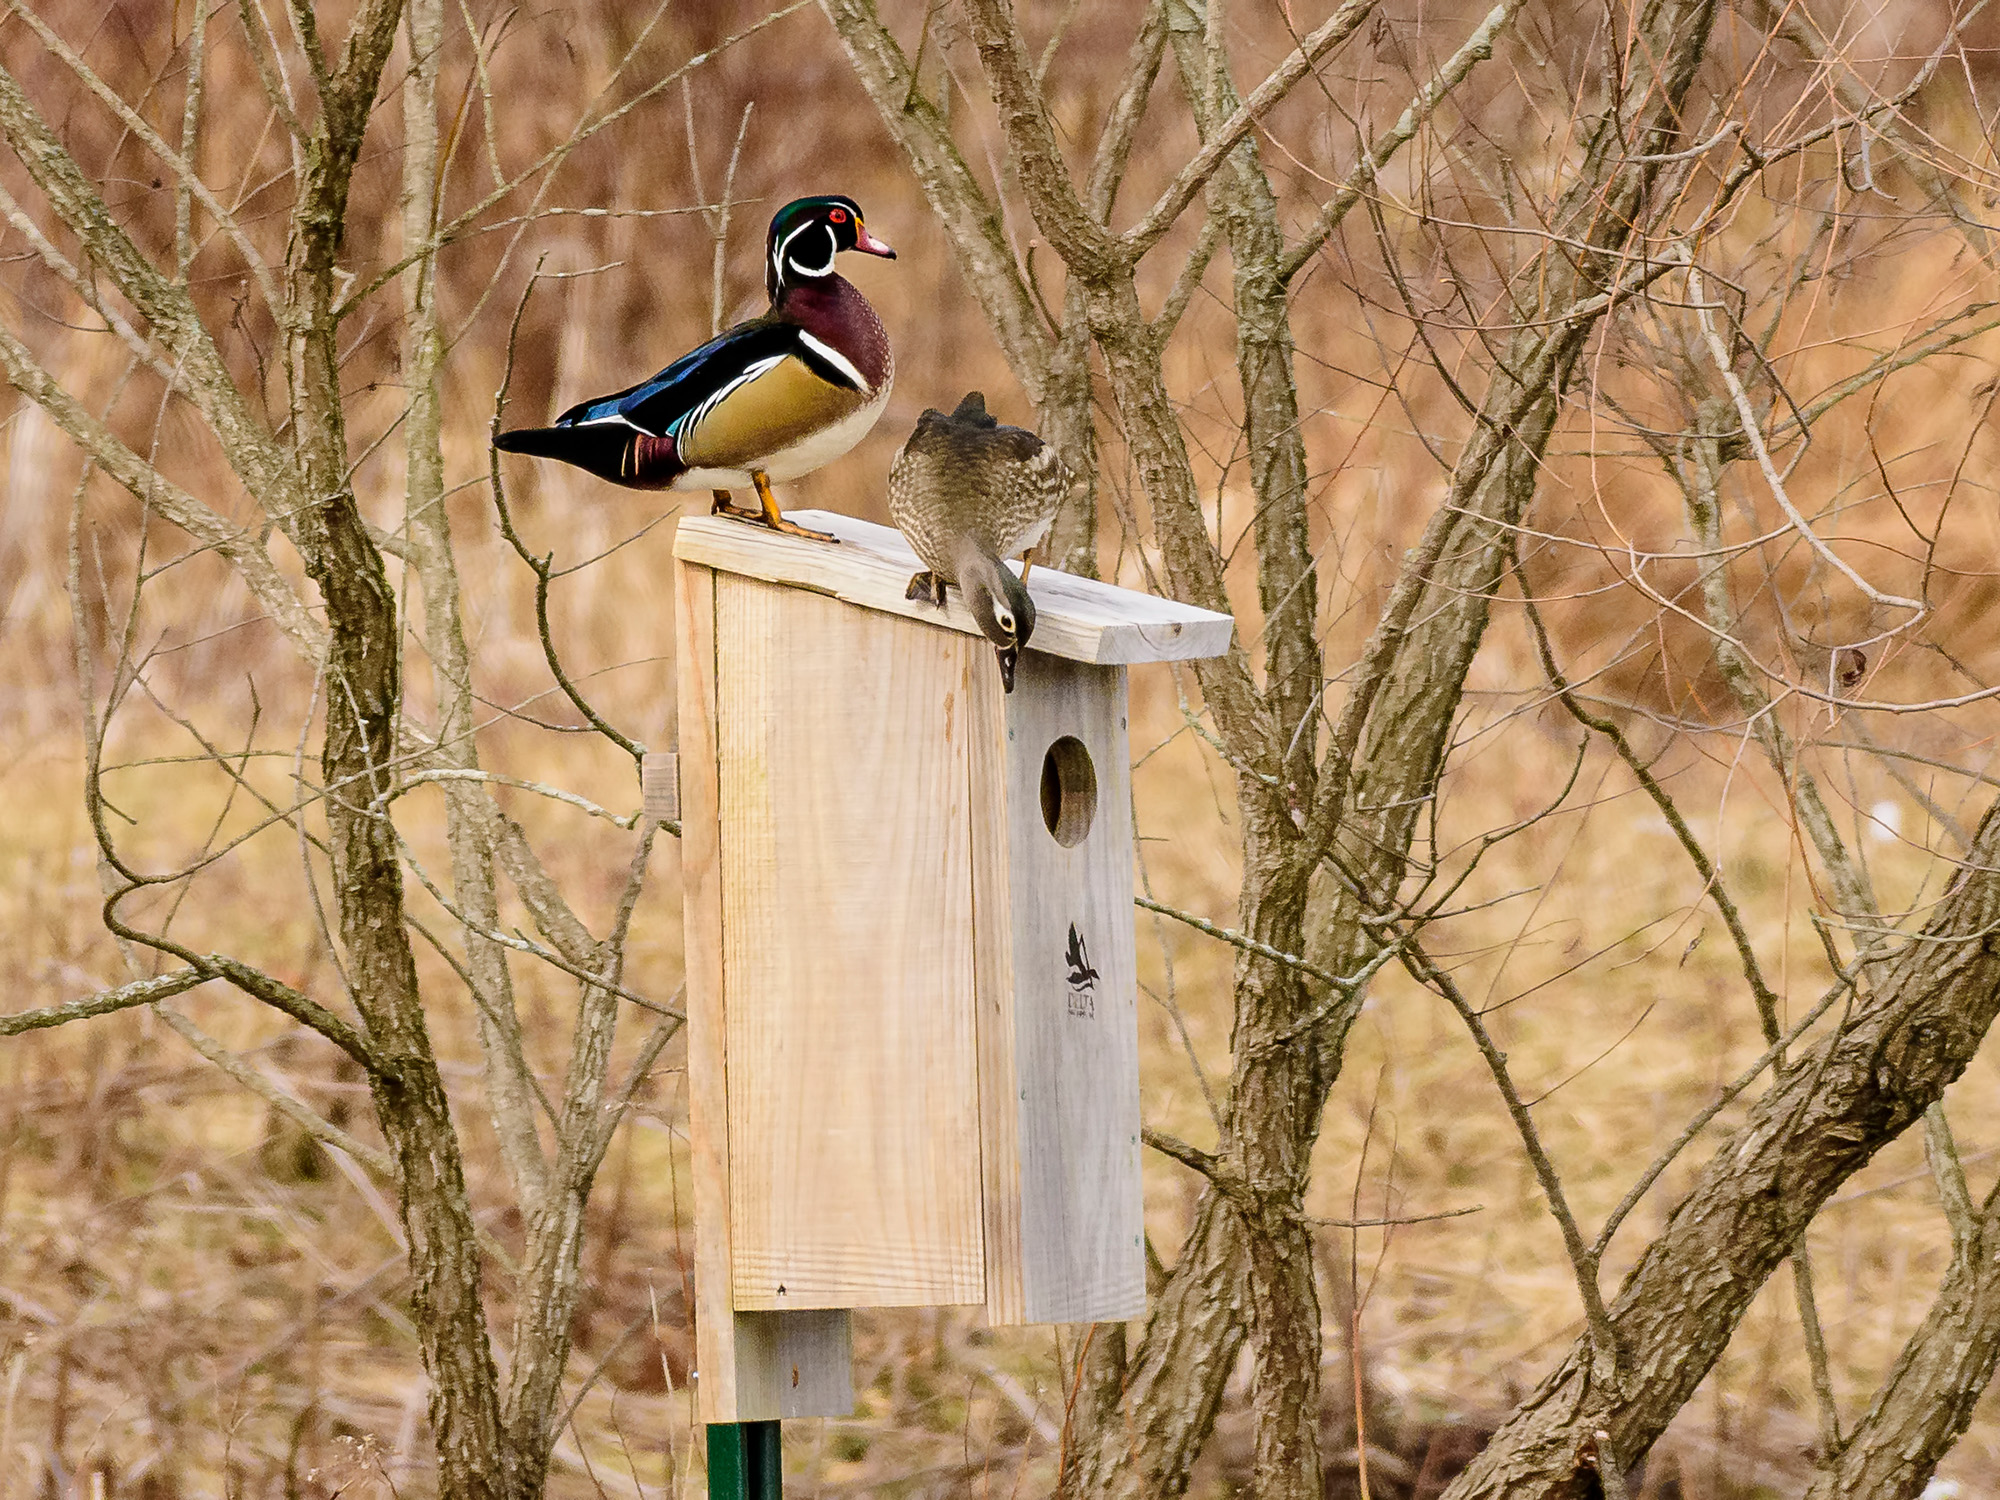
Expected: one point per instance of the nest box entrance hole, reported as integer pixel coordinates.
(1069, 791)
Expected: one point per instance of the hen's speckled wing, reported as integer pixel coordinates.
(964, 476)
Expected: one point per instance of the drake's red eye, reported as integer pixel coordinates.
(838, 215)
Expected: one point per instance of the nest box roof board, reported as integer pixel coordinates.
(913, 1048)
(1079, 619)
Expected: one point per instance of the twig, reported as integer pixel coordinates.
(1192, 1157)
(1476, 48)
(1262, 950)
(322, 1130)
(105, 1002)
(1170, 1003)
(1753, 434)
(525, 945)
(496, 778)
(1189, 281)
(1815, 1341)
(187, 179)
(541, 567)
(664, 1030)
(1121, 125)
(236, 544)
(1767, 1001)
(1708, 1112)
(448, 233)
(1948, 1172)
(1583, 1261)
(1396, 1221)
(1360, 1400)
(1330, 33)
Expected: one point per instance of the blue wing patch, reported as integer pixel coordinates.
(662, 406)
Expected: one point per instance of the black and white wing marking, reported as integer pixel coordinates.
(698, 381)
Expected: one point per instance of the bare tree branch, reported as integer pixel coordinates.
(986, 262)
(185, 175)
(150, 487)
(104, 1002)
(167, 307)
(321, 1130)
(1477, 48)
(1087, 247)
(1221, 139)
(1821, 1121)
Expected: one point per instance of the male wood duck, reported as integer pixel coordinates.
(773, 398)
(968, 491)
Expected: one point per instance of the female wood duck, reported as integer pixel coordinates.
(967, 492)
(773, 398)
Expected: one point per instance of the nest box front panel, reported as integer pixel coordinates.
(1058, 1006)
(842, 748)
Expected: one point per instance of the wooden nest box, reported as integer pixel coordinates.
(913, 1040)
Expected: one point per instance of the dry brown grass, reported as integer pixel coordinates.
(193, 1291)
(195, 1301)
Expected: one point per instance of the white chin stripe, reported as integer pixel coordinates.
(835, 358)
(786, 261)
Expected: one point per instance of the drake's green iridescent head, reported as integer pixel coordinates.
(807, 233)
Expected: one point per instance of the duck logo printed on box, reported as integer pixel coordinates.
(1082, 977)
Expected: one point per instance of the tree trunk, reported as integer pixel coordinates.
(363, 696)
(1827, 1114)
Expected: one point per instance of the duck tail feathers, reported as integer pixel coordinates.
(541, 442)
(973, 409)
(611, 451)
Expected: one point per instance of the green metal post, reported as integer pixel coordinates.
(746, 1461)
